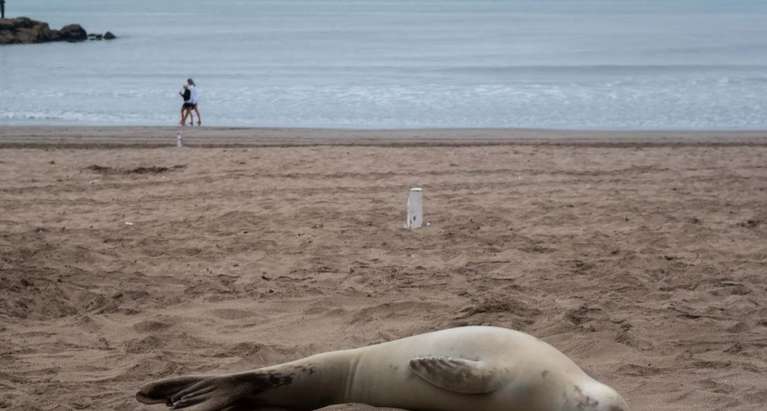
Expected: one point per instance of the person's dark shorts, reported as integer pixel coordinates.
(190, 105)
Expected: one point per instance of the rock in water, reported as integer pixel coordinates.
(72, 33)
(23, 30)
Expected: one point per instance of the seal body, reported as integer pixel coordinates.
(459, 369)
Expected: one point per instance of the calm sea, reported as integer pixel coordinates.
(629, 64)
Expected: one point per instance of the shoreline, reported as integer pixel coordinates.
(160, 136)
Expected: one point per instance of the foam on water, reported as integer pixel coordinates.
(591, 64)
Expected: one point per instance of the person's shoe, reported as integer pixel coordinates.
(199, 124)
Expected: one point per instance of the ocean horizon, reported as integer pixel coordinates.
(643, 65)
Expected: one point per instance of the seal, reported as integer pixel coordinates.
(468, 368)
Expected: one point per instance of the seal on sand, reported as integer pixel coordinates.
(458, 369)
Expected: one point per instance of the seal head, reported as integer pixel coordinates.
(592, 396)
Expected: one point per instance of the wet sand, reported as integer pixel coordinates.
(123, 259)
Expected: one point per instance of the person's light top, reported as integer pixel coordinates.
(195, 95)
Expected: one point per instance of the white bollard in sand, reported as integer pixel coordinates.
(414, 208)
(179, 139)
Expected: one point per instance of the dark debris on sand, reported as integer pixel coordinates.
(106, 170)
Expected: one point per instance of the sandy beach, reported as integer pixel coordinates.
(123, 259)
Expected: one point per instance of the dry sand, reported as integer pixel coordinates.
(642, 256)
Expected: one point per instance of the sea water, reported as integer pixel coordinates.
(628, 64)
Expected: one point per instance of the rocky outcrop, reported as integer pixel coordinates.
(23, 30)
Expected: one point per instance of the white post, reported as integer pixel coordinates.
(179, 138)
(414, 208)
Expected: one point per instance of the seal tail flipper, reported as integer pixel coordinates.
(193, 392)
(214, 393)
(161, 391)
(457, 375)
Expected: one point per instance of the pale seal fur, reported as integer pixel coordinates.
(458, 369)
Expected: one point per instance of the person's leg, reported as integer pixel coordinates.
(185, 113)
(199, 119)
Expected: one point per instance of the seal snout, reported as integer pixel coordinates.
(595, 396)
(614, 401)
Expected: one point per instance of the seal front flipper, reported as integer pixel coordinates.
(458, 374)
